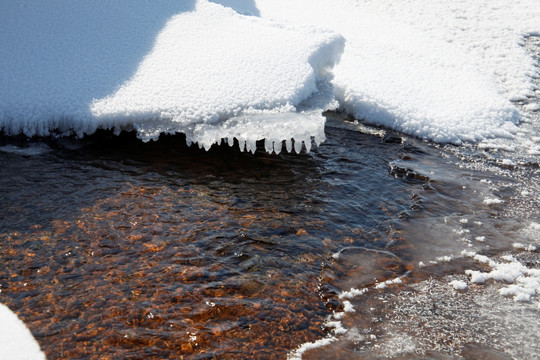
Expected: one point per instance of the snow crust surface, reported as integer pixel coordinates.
(76, 66)
(16, 341)
(439, 71)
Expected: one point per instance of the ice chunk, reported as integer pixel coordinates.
(440, 71)
(459, 284)
(219, 68)
(272, 126)
(492, 201)
(16, 341)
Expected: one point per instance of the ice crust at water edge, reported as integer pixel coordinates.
(273, 127)
(421, 308)
(16, 341)
(439, 71)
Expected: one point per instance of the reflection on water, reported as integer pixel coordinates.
(113, 248)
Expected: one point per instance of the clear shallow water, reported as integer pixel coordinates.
(115, 248)
(463, 199)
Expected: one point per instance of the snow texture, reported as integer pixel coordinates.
(439, 71)
(16, 341)
(523, 283)
(177, 67)
(297, 354)
(459, 284)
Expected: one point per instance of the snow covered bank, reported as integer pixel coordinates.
(16, 341)
(439, 71)
(77, 67)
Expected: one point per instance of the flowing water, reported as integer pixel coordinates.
(114, 248)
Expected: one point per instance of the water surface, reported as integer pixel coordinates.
(117, 248)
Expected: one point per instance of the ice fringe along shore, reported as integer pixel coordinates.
(261, 70)
(520, 282)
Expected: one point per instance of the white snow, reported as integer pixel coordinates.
(521, 246)
(297, 354)
(446, 258)
(442, 71)
(492, 201)
(482, 258)
(348, 307)
(438, 70)
(384, 284)
(459, 284)
(508, 162)
(523, 282)
(352, 293)
(178, 67)
(532, 107)
(16, 341)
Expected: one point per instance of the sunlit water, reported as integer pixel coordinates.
(112, 248)
(460, 199)
(116, 248)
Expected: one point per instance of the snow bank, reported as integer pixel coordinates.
(440, 71)
(437, 70)
(16, 341)
(77, 67)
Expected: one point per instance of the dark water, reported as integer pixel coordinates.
(112, 248)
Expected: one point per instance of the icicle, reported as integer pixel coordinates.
(251, 146)
(277, 146)
(307, 143)
(297, 146)
(288, 145)
(268, 145)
